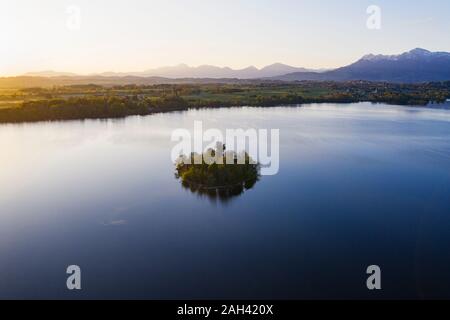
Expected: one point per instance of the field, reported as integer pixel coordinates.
(96, 101)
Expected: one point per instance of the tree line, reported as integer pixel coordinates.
(97, 102)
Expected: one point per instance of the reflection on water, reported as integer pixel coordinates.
(224, 194)
(358, 185)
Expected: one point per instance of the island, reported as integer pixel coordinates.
(217, 173)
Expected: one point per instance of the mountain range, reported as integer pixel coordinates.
(415, 66)
(418, 65)
(185, 71)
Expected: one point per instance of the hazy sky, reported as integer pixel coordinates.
(134, 35)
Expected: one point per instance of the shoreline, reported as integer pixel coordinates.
(438, 106)
(97, 102)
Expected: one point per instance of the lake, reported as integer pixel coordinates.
(359, 185)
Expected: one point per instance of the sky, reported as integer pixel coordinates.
(91, 36)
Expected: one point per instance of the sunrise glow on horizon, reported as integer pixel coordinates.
(137, 35)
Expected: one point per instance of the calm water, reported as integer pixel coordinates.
(358, 185)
